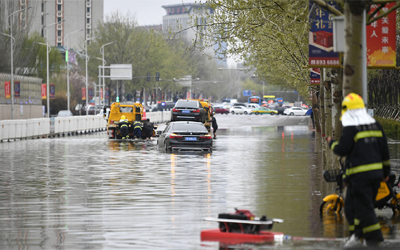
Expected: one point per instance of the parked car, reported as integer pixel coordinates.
(185, 136)
(64, 113)
(294, 111)
(263, 110)
(221, 110)
(239, 104)
(252, 105)
(240, 110)
(188, 110)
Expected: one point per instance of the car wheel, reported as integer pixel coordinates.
(226, 112)
(272, 113)
(233, 112)
(257, 113)
(245, 112)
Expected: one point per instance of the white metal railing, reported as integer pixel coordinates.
(41, 127)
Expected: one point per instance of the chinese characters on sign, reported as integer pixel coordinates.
(381, 39)
(7, 89)
(321, 37)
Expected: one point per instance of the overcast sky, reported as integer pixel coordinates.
(147, 12)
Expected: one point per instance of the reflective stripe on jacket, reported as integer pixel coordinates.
(366, 151)
(137, 124)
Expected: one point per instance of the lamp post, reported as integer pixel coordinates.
(48, 51)
(104, 62)
(86, 79)
(68, 94)
(12, 59)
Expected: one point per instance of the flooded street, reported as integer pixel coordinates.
(88, 192)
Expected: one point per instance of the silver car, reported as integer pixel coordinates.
(294, 111)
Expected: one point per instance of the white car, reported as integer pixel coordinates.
(294, 111)
(252, 106)
(240, 110)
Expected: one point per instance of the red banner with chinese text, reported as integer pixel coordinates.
(381, 39)
(7, 90)
(44, 91)
(83, 94)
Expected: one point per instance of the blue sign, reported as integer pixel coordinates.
(246, 92)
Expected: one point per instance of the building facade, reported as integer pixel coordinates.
(182, 17)
(81, 18)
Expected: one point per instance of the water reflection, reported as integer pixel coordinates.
(90, 192)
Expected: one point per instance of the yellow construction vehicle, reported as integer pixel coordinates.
(131, 111)
(208, 108)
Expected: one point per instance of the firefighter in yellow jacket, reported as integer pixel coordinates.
(137, 129)
(364, 144)
(124, 127)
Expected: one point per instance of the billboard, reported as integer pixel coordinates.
(17, 89)
(44, 91)
(315, 78)
(7, 90)
(83, 94)
(381, 39)
(52, 91)
(320, 46)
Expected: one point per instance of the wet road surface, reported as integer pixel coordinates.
(88, 192)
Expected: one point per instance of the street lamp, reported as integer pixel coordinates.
(48, 51)
(104, 62)
(86, 60)
(12, 59)
(68, 94)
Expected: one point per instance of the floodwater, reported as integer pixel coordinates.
(88, 192)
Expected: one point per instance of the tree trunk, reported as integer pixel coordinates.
(328, 111)
(352, 80)
(322, 117)
(336, 109)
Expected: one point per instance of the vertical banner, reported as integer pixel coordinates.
(381, 39)
(320, 45)
(107, 94)
(44, 91)
(101, 94)
(52, 91)
(315, 78)
(83, 94)
(17, 89)
(7, 90)
(90, 93)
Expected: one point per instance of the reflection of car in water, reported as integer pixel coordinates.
(263, 110)
(185, 136)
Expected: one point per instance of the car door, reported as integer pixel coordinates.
(161, 138)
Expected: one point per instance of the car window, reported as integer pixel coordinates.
(188, 127)
(187, 104)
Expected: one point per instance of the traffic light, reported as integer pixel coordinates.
(117, 99)
(157, 76)
(148, 77)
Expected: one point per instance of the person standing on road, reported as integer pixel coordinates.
(214, 125)
(123, 127)
(364, 144)
(137, 129)
(148, 128)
